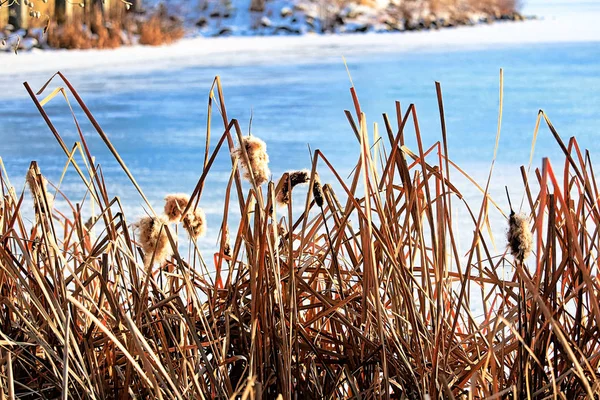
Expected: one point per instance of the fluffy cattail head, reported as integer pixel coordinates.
(194, 223)
(291, 179)
(519, 236)
(318, 191)
(258, 159)
(174, 206)
(154, 239)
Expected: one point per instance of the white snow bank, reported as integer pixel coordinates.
(568, 27)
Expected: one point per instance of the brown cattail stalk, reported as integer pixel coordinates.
(520, 242)
(318, 191)
(174, 206)
(258, 159)
(289, 181)
(154, 239)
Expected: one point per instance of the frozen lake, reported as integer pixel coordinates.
(154, 111)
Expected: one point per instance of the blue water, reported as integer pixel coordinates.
(157, 120)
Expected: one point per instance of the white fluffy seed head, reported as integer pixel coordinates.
(520, 240)
(258, 159)
(153, 239)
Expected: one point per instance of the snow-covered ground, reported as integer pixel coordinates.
(285, 17)
(559, 22)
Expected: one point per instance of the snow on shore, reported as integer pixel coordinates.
(578, 26)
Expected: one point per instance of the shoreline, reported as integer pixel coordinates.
(241, 50)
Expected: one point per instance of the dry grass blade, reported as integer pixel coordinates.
(359, 292)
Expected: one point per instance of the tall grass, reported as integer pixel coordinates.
(99, 30)
(74, 34)
(362, 294)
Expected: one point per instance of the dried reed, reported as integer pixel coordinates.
(370, 297)
(288, 182)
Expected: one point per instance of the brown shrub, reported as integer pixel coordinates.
(160, 30)
(100, 32)
(76, 35)
(508, 6)
(257, 5)
(68, 36)
(495, 7)
(107, 33)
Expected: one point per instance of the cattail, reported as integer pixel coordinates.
(175, 204)
(153, 238)
(318, 191)
(38, 192)
(194, 223)
(258, 159)
(519, 236)
(290, 180)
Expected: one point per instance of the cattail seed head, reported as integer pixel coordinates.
(39, 192)
(175, 204)
(258, 159)
(194, 223)
(519, 237)
(318, 191)
(154, 239)
(291, 179)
